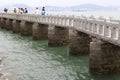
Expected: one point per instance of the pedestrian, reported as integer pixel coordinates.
(22, 10)
(15, 10)
(25, 10)
(5, 10)
(43, 11)
(36, 11)
(19, 10)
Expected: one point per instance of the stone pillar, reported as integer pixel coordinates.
(0, 22)
(26, 28)
(16, 26)
(79, 43)
(59, 36)
(40, 31)
(8, 24)
(3, 22)
(104, 57)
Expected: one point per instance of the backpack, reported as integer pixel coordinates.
(26, 11)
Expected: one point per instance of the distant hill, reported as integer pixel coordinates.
(92, 7)
(87, 7)
(21, 6)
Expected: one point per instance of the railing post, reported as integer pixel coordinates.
(119, 34)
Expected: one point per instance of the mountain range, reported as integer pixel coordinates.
(85, 7)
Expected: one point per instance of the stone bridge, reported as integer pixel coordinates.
(98, 37)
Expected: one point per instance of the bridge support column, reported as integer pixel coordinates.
(104, 57)
(59, 36)
(26, 28)
(0, 22)
(8, 24)
(79, 43)
(16, 26)
(3, 22)
(40, 31)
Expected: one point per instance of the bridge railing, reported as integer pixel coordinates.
(106, 29)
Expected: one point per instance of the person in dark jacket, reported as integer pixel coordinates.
(25, 10)
(5, 10)
(43, 11)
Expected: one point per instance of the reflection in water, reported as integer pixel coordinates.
(26, 59)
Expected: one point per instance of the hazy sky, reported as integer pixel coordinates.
(60, 2)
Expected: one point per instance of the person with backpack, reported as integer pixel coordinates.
(5, 10)
(43, 11)
(25, 11)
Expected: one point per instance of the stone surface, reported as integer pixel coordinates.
(40, 31)
(26, 28)
(0, 22)
(59, 37)
(104, 57)
(3, 76)
(16, 26)
(3, 22)
(8, 25)
(79, 43)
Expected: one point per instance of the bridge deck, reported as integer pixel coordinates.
(107, 30)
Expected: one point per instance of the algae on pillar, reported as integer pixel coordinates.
(59, 37)
(79, 43)
(104, 57)
(3, 22)
(26, 28)
(40, 31)
(8, 24)
(0, 22)
(16, 26)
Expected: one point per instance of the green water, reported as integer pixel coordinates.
(25, 59)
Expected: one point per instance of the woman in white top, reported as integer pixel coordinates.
(36, 11)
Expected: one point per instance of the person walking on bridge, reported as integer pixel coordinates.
(25, 10)
(15, 10)
(36, 11)
(5, 10)
(43, 10)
